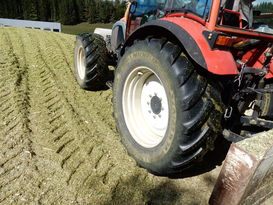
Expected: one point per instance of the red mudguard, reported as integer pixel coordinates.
(219, 62)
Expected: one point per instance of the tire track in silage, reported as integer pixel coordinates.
(56, 115)
(67, 81)
(101, 165)
(31, 189)
(14, 105)
(92, 102)
(73, 155)
(46, 110)
(91, 97)
(82, 143)
(36, 182)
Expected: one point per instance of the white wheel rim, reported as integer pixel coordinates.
(81, 63)
(145, 107)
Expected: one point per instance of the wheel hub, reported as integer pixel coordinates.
(156, 105)
(145, 105)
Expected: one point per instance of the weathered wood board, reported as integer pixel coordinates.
(247, 173)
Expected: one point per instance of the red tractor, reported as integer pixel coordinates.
(189, 75)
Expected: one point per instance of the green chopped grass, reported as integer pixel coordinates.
(84, 28)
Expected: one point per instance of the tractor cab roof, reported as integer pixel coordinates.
(201, 8)
(233, 14)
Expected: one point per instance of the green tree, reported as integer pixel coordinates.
(64, 11)
(30, 9)
(68, 12)
(265, 7)
(92, 11)
(54, 10)
(44, 10)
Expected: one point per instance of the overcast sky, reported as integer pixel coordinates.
(260, 1)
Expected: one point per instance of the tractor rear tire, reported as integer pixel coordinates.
(90, 62)
(168, 115)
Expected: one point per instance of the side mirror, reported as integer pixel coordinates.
(133, 7)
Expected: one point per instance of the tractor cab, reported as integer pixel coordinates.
(143, 11)
(223, 25)
(225, 13)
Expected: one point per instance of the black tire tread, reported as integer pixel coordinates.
(201, 103)
(96, 62)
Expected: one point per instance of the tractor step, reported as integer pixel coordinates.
(259, 91)
(257, 122)
(247, 121)
(233, 137)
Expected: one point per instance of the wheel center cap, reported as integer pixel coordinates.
(156, 105)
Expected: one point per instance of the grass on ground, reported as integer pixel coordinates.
(84, 28)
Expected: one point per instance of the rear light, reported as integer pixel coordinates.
(216, 39)
(224, 41)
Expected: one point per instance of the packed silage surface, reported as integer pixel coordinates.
(59, 144)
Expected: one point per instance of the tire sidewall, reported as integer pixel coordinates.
(158, 156)
(78, 45)
(267, 105)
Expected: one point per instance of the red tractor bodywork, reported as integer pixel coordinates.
(213, 57)
(213, 42)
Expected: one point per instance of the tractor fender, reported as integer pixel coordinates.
(103, 32)
(118, 36)
(189, 35)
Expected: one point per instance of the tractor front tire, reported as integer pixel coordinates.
(168, 115)
(90, 62)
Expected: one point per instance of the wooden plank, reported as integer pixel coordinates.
(247, 173)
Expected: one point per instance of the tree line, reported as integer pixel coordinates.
(75, 11)
(265, 7)
(64, 11)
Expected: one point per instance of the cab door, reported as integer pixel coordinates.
(142, 11)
